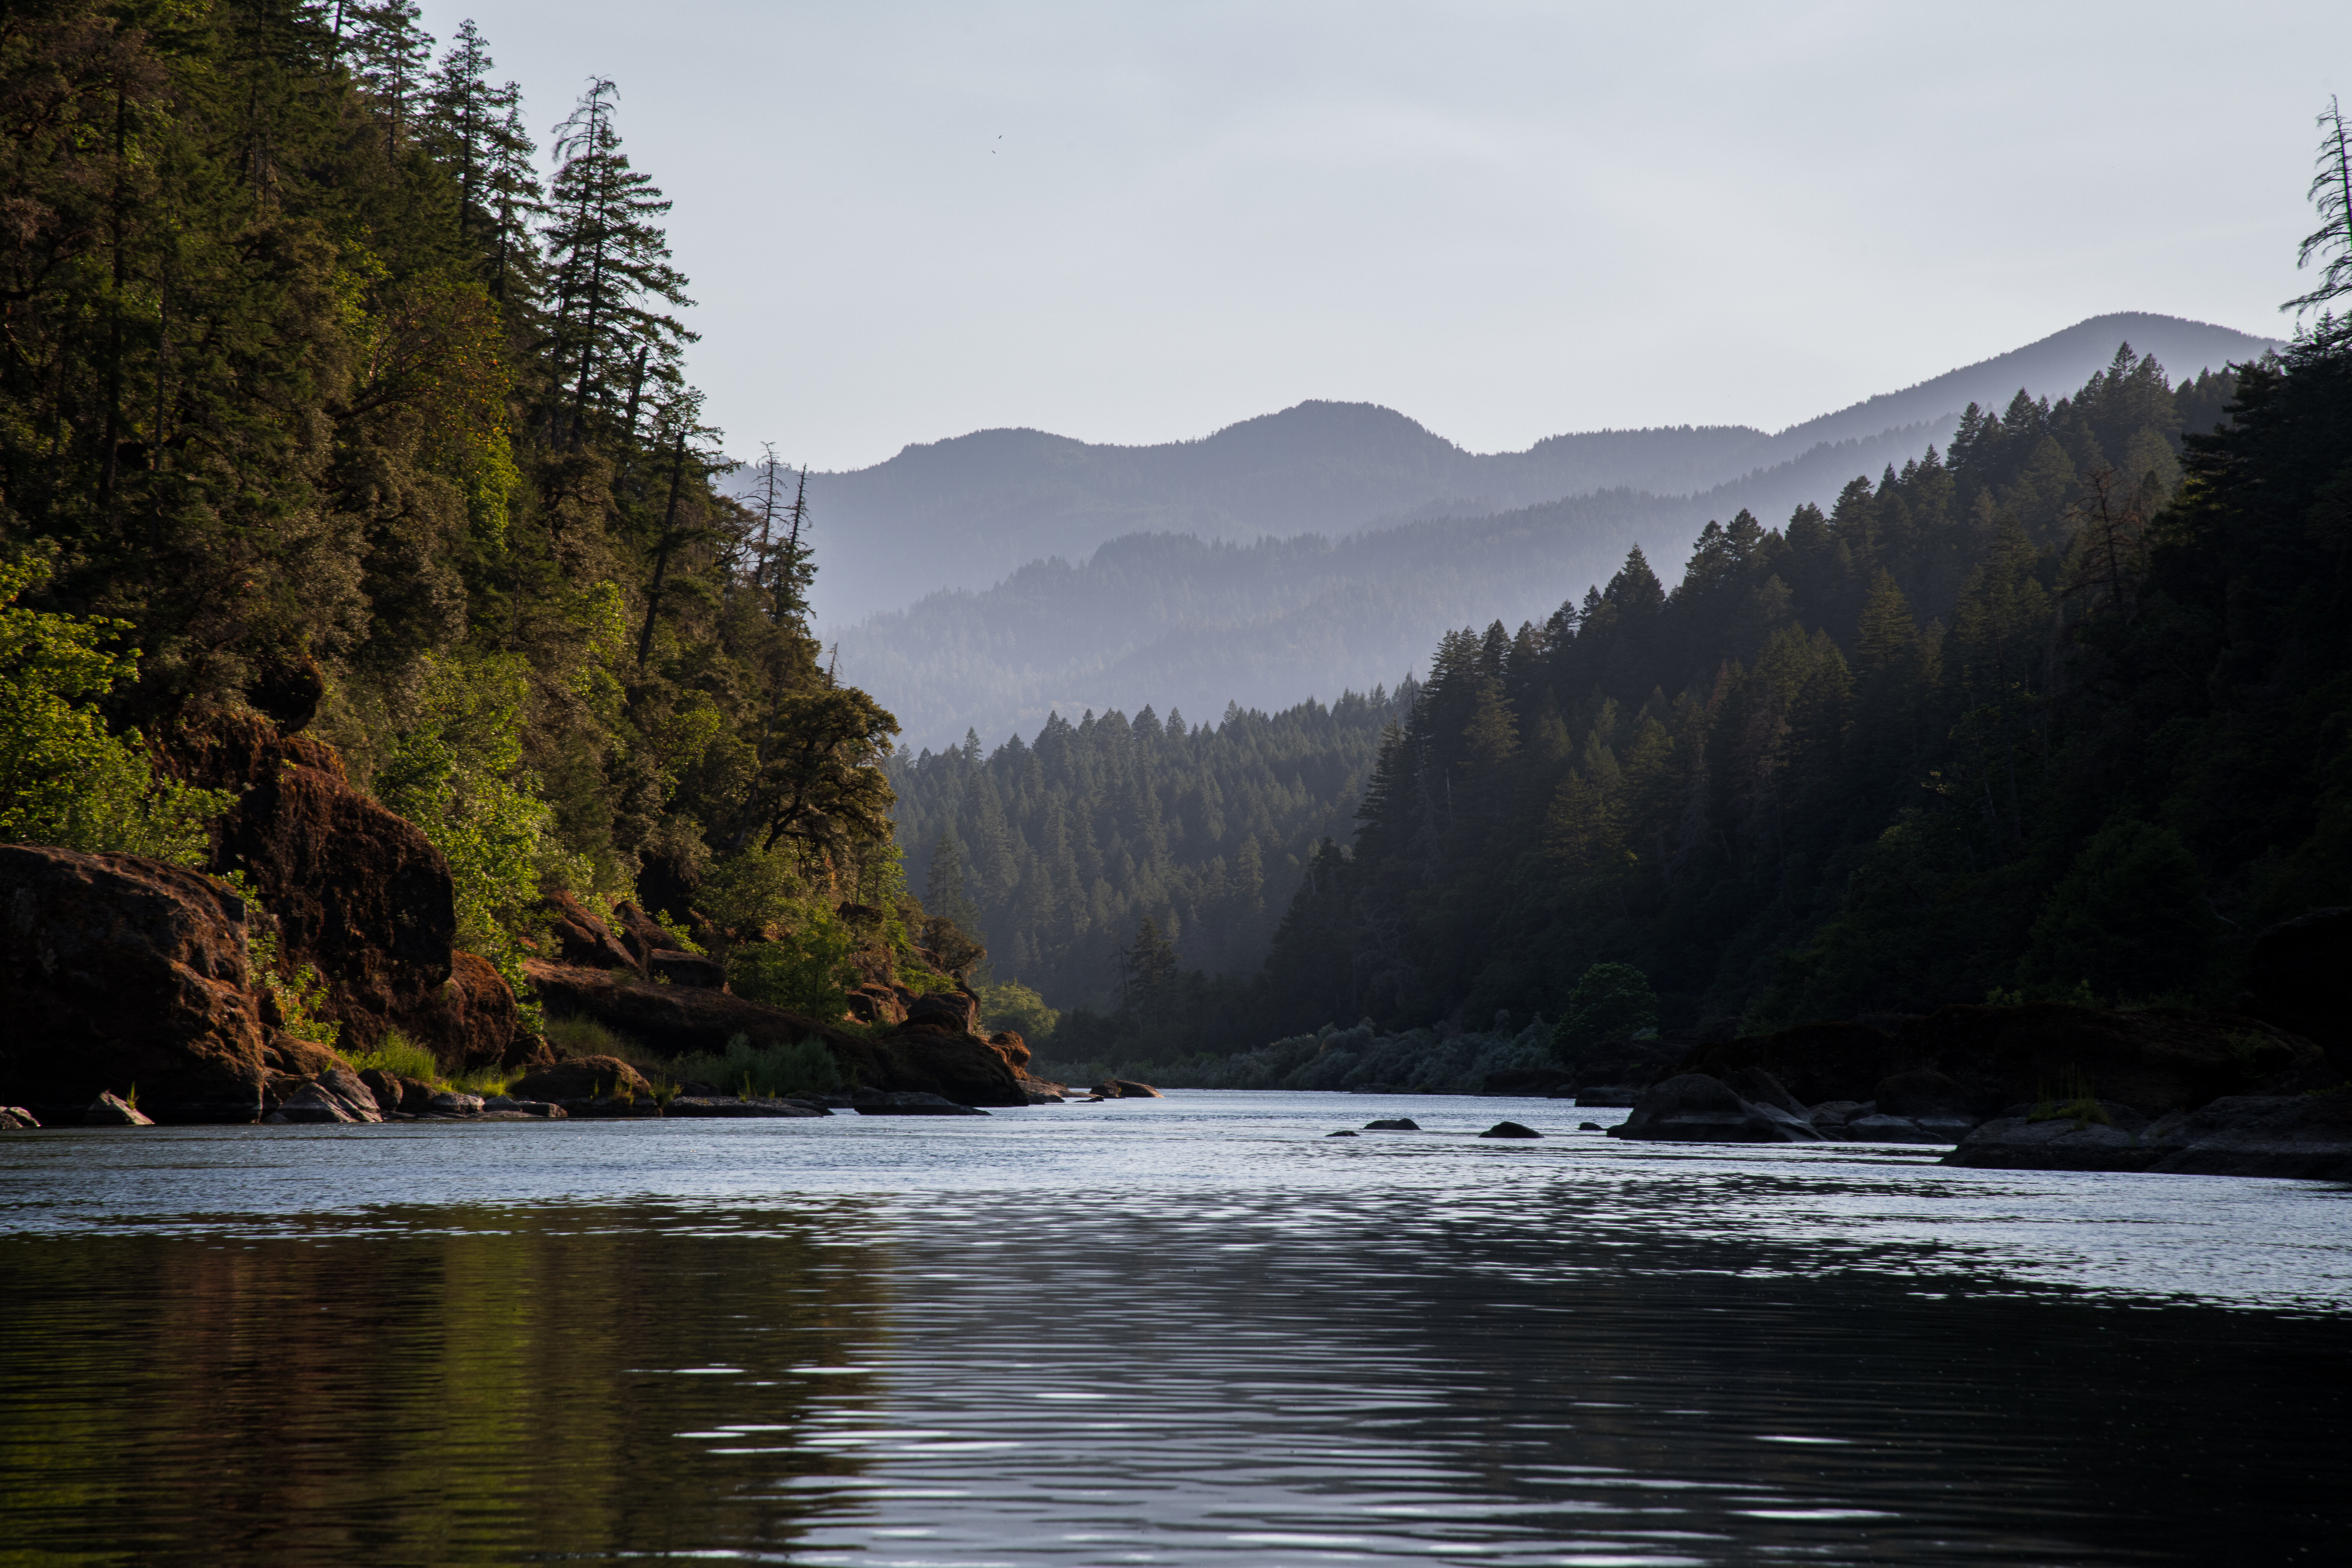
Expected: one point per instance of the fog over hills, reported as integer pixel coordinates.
(1321, 548)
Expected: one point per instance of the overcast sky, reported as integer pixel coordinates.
(1142, 223)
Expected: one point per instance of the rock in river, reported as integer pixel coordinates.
(1509, 1129)
(113, 1110)
(1393, 1124)
(1693, 1108)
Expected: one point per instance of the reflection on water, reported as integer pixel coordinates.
(1190, 1332)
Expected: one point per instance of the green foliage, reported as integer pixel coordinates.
(805, 970)
(2128, 920)
(578, 1035)
(299, 994)
(332, 406)
(777, 1067)
(400, 1056)
(1609, 1002)
(63, 779)
(1013, 1005)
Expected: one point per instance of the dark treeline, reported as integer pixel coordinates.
(2056, 712)
(311, 384)
(1690, 781)
(1061, 846)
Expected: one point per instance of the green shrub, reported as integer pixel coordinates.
(1609, 1002)
(64, 780)
(801, 1067)
(400, 1056)
(587, 1037)
(2129, 920)
(806, 972)
(457, 773)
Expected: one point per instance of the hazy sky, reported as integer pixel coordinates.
(1140, 223)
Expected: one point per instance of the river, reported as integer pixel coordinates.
(1186, 1331)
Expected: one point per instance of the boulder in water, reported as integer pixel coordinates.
(111, 1109)
(1509, 1129)
(1693, 1108)
(1393, 1124)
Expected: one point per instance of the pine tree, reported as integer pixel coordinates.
(462, 114)
(611, 260)
(2331, 192)
(391, 54)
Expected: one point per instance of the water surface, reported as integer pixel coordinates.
(1188, 1331)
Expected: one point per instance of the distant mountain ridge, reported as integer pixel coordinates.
(1326, 546)
(975, 508)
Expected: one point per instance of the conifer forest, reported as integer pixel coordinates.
(318, 400)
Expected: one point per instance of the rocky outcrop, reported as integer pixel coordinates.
(120, 972)
(2306, 1136)
(1979, 1060)
(581, 1080)
(926, 1054)
(16, 1119)
(582, 940)
(1124, 1089)
(357, 893)
(113, 1110)
(1693, 1108)
(472, 1020)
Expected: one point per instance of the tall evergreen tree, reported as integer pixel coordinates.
(610, 260)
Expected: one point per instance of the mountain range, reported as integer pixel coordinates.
(1322, 548)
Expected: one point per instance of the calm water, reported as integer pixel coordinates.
(1187, 1330)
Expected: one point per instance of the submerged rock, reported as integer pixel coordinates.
(2306, 1136)
(2090, 1135)
(1587, 1127)
(1881, 1128)
(1343, 1133)
(905, 1103)
(1393, 1124)
(732, 1105)
(1693, 1108)
(1509, 1129)
(501, 1105)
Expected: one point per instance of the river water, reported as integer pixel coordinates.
(1188, 1331)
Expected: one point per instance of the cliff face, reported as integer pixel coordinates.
(124, 974)
(122, 971)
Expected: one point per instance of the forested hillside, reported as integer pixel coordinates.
(315, 402)
(1900, 706)
(2057, 712)
(1056, 850)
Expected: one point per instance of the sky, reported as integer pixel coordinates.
(1135, 224)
